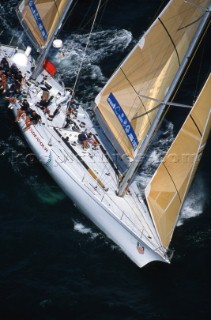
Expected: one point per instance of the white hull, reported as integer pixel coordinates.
(124, 220)
(102, 217)
(93, 208)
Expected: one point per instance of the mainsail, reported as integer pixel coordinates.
(41, 19)
(166, 191)
(149, 70)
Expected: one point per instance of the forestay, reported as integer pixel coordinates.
(148, 70)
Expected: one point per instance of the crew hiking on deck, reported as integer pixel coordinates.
(43, 104)
(11, 81)
(86, 139)
(71, 106)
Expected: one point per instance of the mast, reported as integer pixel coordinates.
(127, 179)
(45, 51)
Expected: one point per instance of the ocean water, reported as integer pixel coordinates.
(54, 263)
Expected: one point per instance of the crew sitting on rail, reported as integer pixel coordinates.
(32, 118)
(18, 94)
(44, 105)
(24, 108)
(4, 64)
(14, 69)
(3, 81)
(11, 90)
(71, 106)
(14, 98)
(18, 78)
(8, 76)
(1, 84)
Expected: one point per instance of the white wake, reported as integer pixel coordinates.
(79, 227)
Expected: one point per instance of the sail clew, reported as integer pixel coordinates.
(166, 191)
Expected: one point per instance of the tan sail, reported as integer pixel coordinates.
(42, 17)
(149, 70)
(166, 191)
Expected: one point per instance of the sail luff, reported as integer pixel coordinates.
(169, 186)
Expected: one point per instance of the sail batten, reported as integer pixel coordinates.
(171, 39)
(167, 189)
(149, 70)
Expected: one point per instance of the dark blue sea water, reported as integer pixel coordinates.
(54, 263)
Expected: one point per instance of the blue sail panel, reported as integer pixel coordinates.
(38, 19)
(125, 123)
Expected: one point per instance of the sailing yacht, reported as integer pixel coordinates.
(127, 114)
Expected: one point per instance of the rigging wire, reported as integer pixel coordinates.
(83, 22)
(88, 40)
(103, 10)
(68, 15)
(103, 6)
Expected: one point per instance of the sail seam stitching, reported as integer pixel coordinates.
(171, 40)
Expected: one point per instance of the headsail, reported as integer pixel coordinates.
(166, 191)
(41, 19)
(148, 70)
